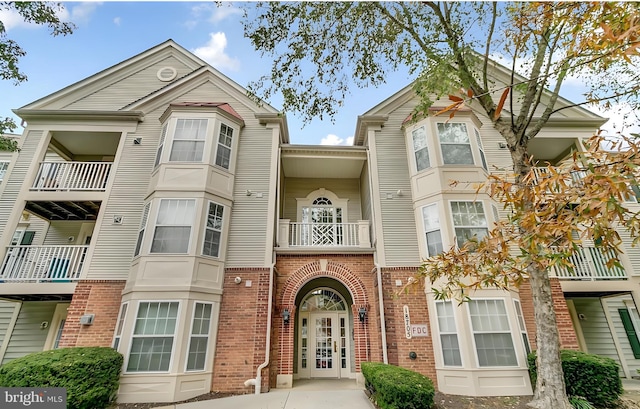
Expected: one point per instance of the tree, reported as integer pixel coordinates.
(323, 49)
(44, 13)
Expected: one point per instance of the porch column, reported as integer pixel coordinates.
(283, 233)
(363, 234)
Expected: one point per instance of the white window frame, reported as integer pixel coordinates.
(4, 168)
(135, 336)
(193, 336)
(143, 226)
(200, 140)
(219, 228)
(448, 333)
(483, 157)
(190, 225)
(163, 135)
(432, 229)
(416, 132)
(122, 316)
(469, 143)
(517, 305)
(455, 226)
(222, 145)
(509, 332)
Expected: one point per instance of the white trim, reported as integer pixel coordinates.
(59, 314)
(132, 336)
(5, 171)
(424, 228)
(456, 333)
(523, 327)
(453, 224)
(205, 228)
(191, 226)
(336, 202)
(119, 330)
(190, 335)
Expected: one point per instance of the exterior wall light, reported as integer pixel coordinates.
(285, 316)
(362, 314)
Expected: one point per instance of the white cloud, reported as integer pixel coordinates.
(214, 53)
(332, 139)
(79, 14)
(117, 21)
(211, 13)
(622, 119)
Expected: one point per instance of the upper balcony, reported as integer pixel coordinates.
(43, 263)
(323, 236)
(589, 264)
(72, 176)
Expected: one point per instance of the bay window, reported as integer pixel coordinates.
(455, 143)
(188, 140)
(223, 151)
(153, 336)
(448, 334)
(213, 230)
(173, 226)
(199, 339)
(4, 165)
(431, 221)
(491, 333)
(420, 149)
(469, 221)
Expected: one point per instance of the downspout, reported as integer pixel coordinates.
(257, 381)
(383, 326)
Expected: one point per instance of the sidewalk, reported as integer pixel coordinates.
(305, 395)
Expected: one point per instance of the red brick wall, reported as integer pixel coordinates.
(100, 297)
(568, 339)
(242, 331)
(399, 346)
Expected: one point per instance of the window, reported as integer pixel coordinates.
(188, 140)
(455, 143)
(469, 221)
(4, 165)
(420, 149)
(481, 149)
(448, 334)
(119, 326)
(213, 230)
(143, 225)
(196, 357)
(523, 328)
(173, 226)
(491, 333)
(223, 153)
(161, 145)
(153, 334)
(322, 223)
(432, 229)
(56, 341)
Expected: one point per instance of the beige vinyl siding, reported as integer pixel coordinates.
(614, 304)
(6, 312)
(595, 328)
(365, 193)
(297, 188)
(27, 336)
(114, 243)
(398, 221)
(38, 226)
(13, 182)
(632, 253)
(137, 84)
(60, 231)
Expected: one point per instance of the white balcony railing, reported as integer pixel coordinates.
(590, 263)
(43, 263)
(68, 176)
(571, 178)
(324, 235)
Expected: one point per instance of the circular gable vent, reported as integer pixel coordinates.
(167, 74)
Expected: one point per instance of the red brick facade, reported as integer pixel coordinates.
(242, 330)
(99, 297)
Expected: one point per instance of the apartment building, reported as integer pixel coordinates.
(155, 208)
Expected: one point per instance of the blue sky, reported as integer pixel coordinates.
(110, 32)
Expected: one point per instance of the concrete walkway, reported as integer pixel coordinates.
(316, 394)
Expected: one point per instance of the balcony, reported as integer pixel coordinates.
(43, 263)
(590, 263)
(72, 176)
(324, 236)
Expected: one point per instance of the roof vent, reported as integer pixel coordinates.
(166, 74)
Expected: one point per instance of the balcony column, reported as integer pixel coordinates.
(283, 233)
(363, 234)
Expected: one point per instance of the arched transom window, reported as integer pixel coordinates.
(323, 299)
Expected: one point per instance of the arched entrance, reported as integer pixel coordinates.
(323, 335)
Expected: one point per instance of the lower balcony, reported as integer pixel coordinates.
(37, 264)
(324, 236)
(590, 263)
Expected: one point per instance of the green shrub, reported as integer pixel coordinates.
(593, 377)
(393, 387)
(90, 375)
